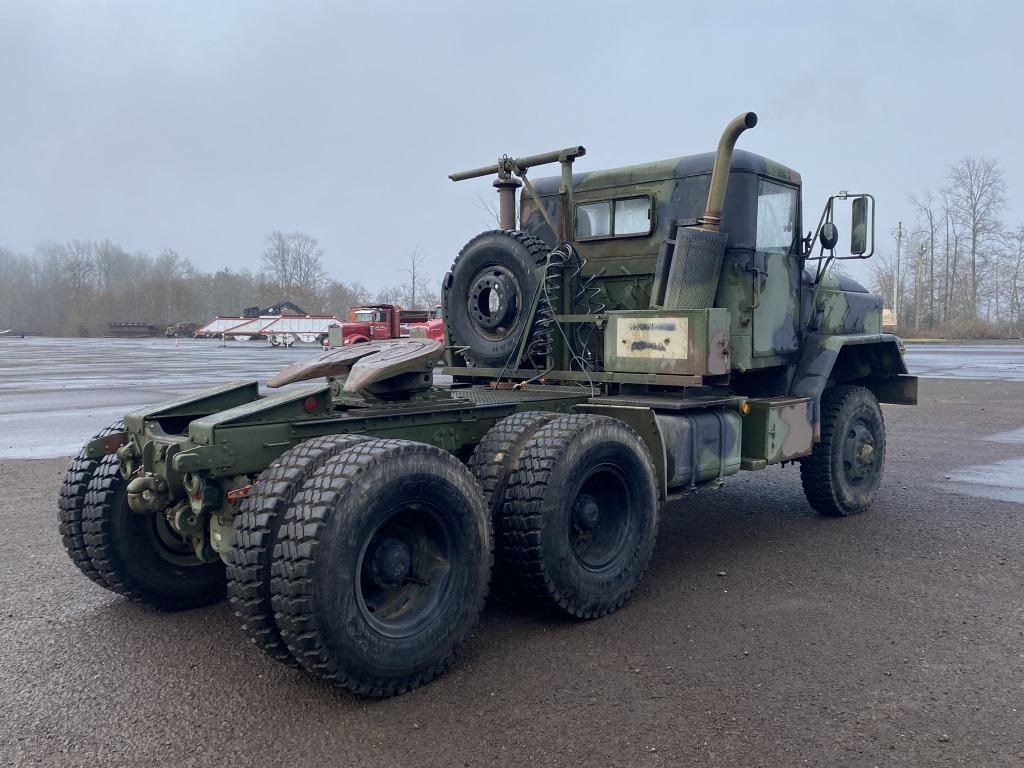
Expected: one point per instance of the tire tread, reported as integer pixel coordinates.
(295, 555)
(249, 559)
(71, 505)
(518, 543)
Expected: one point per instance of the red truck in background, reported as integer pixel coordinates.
(433, 328)
(378, 322)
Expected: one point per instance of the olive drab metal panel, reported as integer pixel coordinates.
(779, 429)
(694, 342)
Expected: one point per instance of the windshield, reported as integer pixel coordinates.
(364, 316)
(776, 217)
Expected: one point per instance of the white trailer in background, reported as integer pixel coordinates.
(278, 330)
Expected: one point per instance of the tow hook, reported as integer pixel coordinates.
(147, 494)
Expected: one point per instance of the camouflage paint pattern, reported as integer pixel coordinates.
(773, 337)
(761, 336)
(778, 429)
(701, 446)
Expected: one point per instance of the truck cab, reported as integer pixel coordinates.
(375, 322)
(625, 222)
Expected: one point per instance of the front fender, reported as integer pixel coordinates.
(870, 360)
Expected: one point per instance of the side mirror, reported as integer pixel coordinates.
(859, 226)
(829, 235)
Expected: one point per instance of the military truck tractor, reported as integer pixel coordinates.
(639, 334)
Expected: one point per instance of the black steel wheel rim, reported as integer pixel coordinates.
(407, 569)
(494, 302)
(599, 518)
(167, 542)
(859, 454)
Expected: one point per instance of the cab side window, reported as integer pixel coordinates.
(624, 217)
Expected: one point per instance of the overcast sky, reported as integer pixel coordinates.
(203, 126)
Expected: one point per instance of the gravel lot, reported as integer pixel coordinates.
(762, 634)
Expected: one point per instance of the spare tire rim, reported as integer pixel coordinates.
(494, 302)
(407, 570)
(599, 517)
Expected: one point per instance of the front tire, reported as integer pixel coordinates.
(841, 475)
(382, 566)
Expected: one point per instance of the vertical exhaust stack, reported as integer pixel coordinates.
(507, 184)
(691, 280)
(712, 217)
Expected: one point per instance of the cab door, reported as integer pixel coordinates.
(775, 267)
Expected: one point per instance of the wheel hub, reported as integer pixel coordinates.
(391, 563)
(859, 452)
(492, 300)
(866, 453)
(586, 512)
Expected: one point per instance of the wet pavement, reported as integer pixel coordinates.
(1002, 361)
(56, 393)
(761, 635)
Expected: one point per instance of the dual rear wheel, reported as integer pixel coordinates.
(139, 556)
(364, 561)
(575, 507)
(368, 561)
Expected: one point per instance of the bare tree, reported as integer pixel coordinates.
(79, 269)
(977, 195)
(1015, 278)
(883, 276)
(414, 289)
(394, 294)
(927, 211)
(293, 263)
(277, 260)
(341, 297)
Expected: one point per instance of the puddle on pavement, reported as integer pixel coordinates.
(999, 481)
(1014, 436)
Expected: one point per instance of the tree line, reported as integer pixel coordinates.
(961, 267)
(76, 288)
(961, 274)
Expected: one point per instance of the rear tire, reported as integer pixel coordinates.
(250, 558)
(382, 566)
(581, 515)
(71, 505)
(492, 464)
(841, 475)
(139, 555)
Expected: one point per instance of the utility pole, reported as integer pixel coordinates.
(896, 280)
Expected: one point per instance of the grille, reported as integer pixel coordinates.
(693, 276)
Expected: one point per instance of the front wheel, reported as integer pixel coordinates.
(841, 475)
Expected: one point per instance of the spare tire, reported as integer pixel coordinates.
(488, 295)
